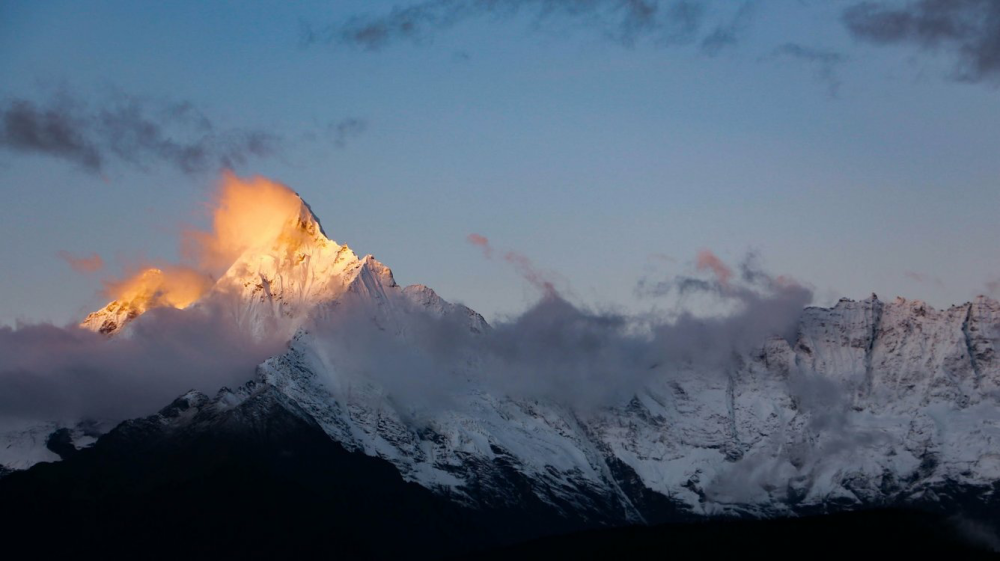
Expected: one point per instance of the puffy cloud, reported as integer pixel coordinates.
(246, 212)
(156, 287)
(558, 350)
(67, 373)
(49, 372)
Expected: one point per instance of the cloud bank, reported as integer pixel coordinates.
(51, 373)
(561, 351)
(556, 350)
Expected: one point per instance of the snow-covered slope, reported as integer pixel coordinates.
(871, 403)
(276, 284)
(271, 286)
(25, 443)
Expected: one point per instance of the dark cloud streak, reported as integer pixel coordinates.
(623, 21)
(343, 131)
(141, 133)
(825, 62)
(969, 29)
(58, 130)
(729, 34)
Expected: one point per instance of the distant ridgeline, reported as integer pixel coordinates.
(872, 405)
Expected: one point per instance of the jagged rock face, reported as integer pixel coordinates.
(111, 318)
(274, 287)
(873, 403)
(838, 341)
(204, 471)
(25, 444)
(271, 287)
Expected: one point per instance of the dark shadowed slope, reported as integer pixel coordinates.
(259, 478)
(889, 533)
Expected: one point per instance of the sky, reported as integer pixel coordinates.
(850, 145)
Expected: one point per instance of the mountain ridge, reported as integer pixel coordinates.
(871, 404)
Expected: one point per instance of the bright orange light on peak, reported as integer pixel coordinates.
(177, 287)
(248, 214)
(252, 212)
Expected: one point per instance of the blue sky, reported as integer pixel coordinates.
(588, 156)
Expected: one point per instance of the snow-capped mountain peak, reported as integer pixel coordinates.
(870, 403)
(280, 272)
(278, 281)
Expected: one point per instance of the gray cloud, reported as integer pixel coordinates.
(58, 130)
(729, 34)
(831, 431)
(968, 29)
(825, 62)
(50, 373)
(140, 132)
(341, 132)
(558, 350)
(622, 21)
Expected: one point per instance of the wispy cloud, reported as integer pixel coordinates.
(923, 278)
(89, 264)
(967, 29)
(663, 22)
(824, 62)
(728, 34)
(140, 132)
(559, 350)
(709, 261)
(522, 264)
